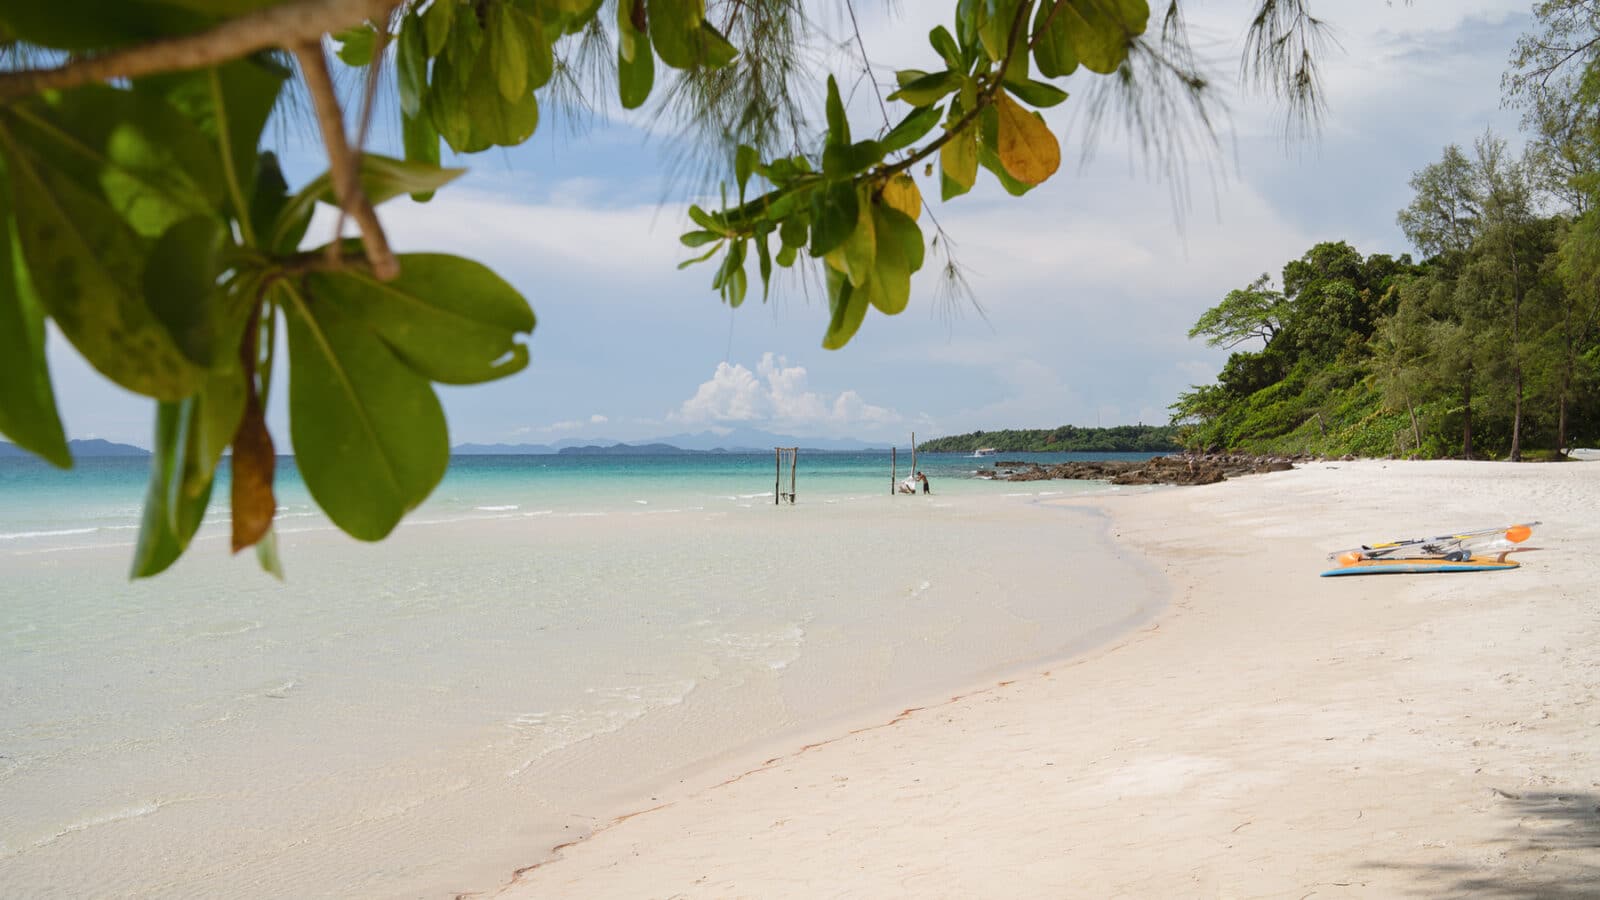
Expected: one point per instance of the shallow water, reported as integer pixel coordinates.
(424, 715)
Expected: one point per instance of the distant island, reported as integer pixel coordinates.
(629, 450)
(90, 447)
(1066, 439)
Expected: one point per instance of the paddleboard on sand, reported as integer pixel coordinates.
(1421, 566)
(1484, 550)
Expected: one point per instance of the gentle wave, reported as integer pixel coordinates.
(20, 535)
(497, 508)
(561, 729)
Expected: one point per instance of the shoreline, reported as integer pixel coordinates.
(1327, 749)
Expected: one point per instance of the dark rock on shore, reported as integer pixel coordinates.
(1188, 469)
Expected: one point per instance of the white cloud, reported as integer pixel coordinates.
(777, 395)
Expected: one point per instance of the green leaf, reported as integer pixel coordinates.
(731, 279)
(842, 162)
(1053, 50)
(838, 122)
(180, 285)
(421, 143)
(793, 232)
(99, 24)
(637, 77)
(541, 53)
(268, 197)
(436, 22)
(764, 262)
(847, 308)
(745, 160)
(636, 63)
(356, 45)
(1101, 31)
(151, 164)
(923, 90)
(967, 15)
(27, 402)
(1035, 93)
(994, 27)
(230, 105)
(899, 253)
(675, 31)
(510, 42)
(911, 129)
(706, 220)
(701, 258)
(369, 435)
(411, 66)
(699, 238)
(382, 179)
(834, 212)
(947, 48)
(179, 490)
(446, 318)
(86, 268)
(786, 256)
(716, 50)
(958, 162)
(855, 255)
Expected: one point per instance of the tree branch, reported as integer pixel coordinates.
(279, 26)
(344, 165)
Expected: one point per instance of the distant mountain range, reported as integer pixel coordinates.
(91, 447)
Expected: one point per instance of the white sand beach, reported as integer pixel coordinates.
(1270, 733)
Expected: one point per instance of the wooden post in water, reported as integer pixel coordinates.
(913, 461)
(778, 492)
(893, 465)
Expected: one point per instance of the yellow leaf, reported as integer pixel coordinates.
(901, 193)
(1025, 145)
(958, 159)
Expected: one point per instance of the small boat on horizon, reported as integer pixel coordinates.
(984, 451)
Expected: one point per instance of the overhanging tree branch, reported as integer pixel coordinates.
(343, 164)
(279, 26)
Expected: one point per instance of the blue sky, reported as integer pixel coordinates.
(1088, 285)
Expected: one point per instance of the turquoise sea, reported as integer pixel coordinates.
(548, 642)
(98, 500)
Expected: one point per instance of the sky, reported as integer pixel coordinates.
(1085, 288)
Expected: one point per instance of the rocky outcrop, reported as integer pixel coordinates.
(1188, 469)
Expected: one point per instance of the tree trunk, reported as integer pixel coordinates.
(1416, 430)
(1516, 354)
(1466, 427)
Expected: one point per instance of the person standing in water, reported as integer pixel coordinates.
(924, 479)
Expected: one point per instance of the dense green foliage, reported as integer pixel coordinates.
(1490, 347)
(1066, 439)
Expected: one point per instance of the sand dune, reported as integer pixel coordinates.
(1270, 734)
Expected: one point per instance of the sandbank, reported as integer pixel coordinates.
(1270, 733)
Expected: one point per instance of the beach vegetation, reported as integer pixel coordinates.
(1065, 439)
(1490, 346)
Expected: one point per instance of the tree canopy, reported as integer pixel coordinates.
(146, 217)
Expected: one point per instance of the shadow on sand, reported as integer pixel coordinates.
(1550, 850)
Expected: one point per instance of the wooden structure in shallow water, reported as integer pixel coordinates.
(780, 454)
